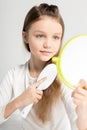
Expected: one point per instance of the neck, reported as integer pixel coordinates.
(36, 67)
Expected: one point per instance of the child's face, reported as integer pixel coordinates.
(44, 38)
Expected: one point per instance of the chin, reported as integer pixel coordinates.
(46, 59)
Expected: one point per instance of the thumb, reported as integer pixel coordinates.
(83, 84)
(39, 82)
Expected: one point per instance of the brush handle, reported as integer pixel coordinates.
(26, 110)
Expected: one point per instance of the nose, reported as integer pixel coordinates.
(47, 43)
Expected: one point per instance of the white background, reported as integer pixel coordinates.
(12, 14)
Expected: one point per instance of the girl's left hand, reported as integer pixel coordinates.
(80, 99)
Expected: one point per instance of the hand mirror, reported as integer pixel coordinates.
(71, 62)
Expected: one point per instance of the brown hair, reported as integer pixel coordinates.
(44, 107)
(35, 14)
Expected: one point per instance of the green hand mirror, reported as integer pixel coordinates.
(71, 62)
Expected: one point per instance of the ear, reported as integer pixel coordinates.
(25, 37)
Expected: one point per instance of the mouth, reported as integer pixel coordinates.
(46, 52)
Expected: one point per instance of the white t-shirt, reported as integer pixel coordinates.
(13, 84)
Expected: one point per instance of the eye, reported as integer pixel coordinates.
(56, 37)
(39, 35)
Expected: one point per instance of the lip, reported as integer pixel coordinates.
(46, 52)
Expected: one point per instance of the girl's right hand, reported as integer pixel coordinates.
(30, 95)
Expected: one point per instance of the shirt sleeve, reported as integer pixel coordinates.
(69, 106)
(5, 93)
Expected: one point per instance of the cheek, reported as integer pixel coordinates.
(34, 46)
(57, 47)
(32, 43)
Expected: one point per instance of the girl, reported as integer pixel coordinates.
(53, 108)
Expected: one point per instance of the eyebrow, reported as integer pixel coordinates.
(38, 31)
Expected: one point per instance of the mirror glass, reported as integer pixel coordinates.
(72, 61)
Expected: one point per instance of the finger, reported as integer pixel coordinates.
(77, 85)
(40, 82)
(76, 101)
(82, 81)
(39, 92)
(39, 97)
(83, 84)
(36, 101)
(77, 96)
(82, 91)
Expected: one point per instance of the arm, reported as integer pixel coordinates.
(30, 95)
(80, 99)
(5, 93)
(69, 106)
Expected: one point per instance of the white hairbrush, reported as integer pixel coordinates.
(50, 72)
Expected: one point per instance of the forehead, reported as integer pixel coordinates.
(47, 24)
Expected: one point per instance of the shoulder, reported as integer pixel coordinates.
(18, 69)
(15, 72)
